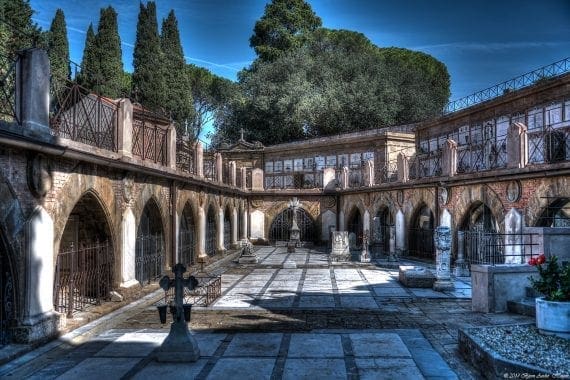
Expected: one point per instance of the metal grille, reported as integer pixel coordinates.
(483, 247)
(8, 88)
(84, 277)
(227, 231)
(380, 239)
(387, 173)
(80, 115)
(186, 246)
(149, 140)
(149, 258)
(210, 168)
(355, 227)
(557, 214)
(425, 165)
(549, 145)
(207, 291)
(211, 233)
(355, 178)
(487, 155)
(305, 180)
(421, 243)
(7, 298)
(281, 226)
(185, 156)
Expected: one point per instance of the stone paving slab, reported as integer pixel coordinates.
(243, 368)
(100, 368)
(312, 369)
(371, 345)
(254, 345)
(133, 345)
(315, 346)
(387, 368)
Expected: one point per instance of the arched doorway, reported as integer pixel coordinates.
(556, 214)
(421, 234)
(227, 229)
(482, 242)
(85, 262)
(281, 226)
(187, 233)
(354, 226)
(211, 232)
(149, 251)
(381, 224)
(7, 293)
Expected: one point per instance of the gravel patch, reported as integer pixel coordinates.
(525, 344)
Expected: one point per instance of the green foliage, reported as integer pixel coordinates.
(282, 28)
(554, 280)
(58, 47)
(19, 32)
(178, 97)
(148, 77)
(89, 62)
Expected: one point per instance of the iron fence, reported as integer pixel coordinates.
(7, 300)
(8, 88)
(80, 115)
(549, 144)
(149, 139)
(491, 248)
(425, 165)
(210, 168)
(387, 173)
(421, 243)
(295, 180)
(186, 246)
(83, 277)
(525, 80)
(208, 290)
(149, 258)
(488, 155)
(185, 156)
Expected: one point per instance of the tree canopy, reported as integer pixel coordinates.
(58, 47)
(18, 31)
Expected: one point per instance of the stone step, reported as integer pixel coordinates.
(525, 306)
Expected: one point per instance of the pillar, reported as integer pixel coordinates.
(344, 178)
(517, 146)
(400, 233)
(449, 158)
(125, 128)
(232, 169)
(257, 180)
(442, 241)
(244, 224)
(201, 238)
(218, 161)
(234, 228)
(128, 244)
(403, 166)
(513, 238)
(368, 173)
(171, 147)
(220, 232)
(341, 221)
(32, 91)
(199, 159)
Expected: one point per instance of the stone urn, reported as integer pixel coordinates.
(553, 318)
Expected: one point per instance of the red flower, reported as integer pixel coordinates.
(541, 259)
(532, 261)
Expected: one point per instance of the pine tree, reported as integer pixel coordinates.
(178, 99)
(89, 62)
(22, 33)
(58, 47)
(148, 76)
(109, 55)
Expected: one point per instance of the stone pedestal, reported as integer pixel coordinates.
(442, 240)
(248, 256)
(340, 249)
(415, 277)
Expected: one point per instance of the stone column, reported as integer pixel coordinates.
(244, 225)
(125, 128)
(199, 159)
(128, 244)
(461, 266)
(38, 320)
(400, 233)
(341, 221)
(344, 178)
(32, 91)
(449, 159)
(243, 173)
(232, 166)
(442, 240)
(403, 166)
(171, 147)
(257, 180)
(368, 173)
(329, 182)
(220, 232)
(513, 238)
(219, 167)
(257, 222)
(392, 254)
(201, 238)
(517, 146)
(234, 228)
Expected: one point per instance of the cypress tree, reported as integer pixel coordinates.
(89, 62)
(178, 99)
(148, 75)
(58, 47)
(22, 33)
(109, 55)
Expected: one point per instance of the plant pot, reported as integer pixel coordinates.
(187, 310)
(553, 318)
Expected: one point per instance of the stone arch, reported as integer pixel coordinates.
(188, 234)
(86, 263)
(150, 247)
(542, 198)
(355, 224)
(282, 222)
(478, 217)
(421, 228)
(414, 198)
(556, 214)
(478, 193)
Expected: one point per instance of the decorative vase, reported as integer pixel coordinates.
(553, 318)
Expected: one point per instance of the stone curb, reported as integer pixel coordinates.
(492, 365)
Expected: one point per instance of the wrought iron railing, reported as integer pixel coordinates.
(149, 258)
(8, 88)
(490, 248)
(549, 144)
(487, 155)
(185, 156)
(83, 277)
(425, 165)
(186, 246)
(83, 116)
(208, 290)
(386, 173)
(525, 80)
(210, 167)
(295, 180)
(149, 139)
(421, 243)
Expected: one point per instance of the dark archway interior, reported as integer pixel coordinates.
(381, 224)
(557, 214)
(227, 229)
(186, 241)
(282, 223)
(421, 234)
(211, 232)
(149, 250)
(482, 241)
(355, 226)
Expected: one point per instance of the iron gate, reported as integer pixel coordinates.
(227, 231)
(484, 247)
(83, 277)
(211, 233)
(7, 298)
(281, 226)
(421, 243)
(381, 234)
(186, 246)
(149, 257)
(355, 226)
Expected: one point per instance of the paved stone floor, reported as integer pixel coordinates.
(315, 321)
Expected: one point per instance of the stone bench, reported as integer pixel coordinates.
(415, 277)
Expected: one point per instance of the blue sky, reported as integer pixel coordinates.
(481, 42)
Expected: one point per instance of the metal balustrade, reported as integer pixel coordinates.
(149, 258)
(149, 139)
(185, 156)
(8, 88)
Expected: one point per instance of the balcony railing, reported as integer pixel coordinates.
(185, 156)
(8, 88)
(149, 139)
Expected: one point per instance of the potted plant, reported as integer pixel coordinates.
(552, 310)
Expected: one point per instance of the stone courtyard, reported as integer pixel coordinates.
(317, 320)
